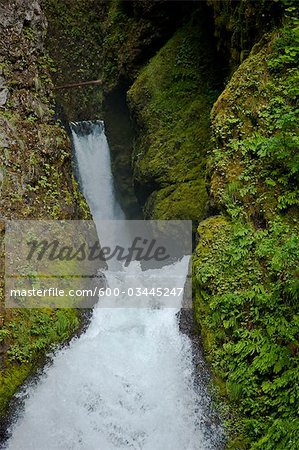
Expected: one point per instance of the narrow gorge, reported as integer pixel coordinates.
(194, 116)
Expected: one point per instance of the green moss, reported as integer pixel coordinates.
(254, 120)
(13, 379)
(208, 231)
(170, 101)
(237, 26)
(181, 201)
(245, 268)
(29, 334)
(132, 33)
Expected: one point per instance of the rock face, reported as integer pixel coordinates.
(36, 179)
(237, 26)
(16, 14)
(35, 146)
(3, 92)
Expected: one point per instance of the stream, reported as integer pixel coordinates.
(127, 382)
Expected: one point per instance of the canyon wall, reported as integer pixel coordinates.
(36, 180)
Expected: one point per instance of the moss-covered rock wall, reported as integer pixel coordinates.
(133, 31)
(245, 268)
(239, 24)
(170, 102)
(36, 180)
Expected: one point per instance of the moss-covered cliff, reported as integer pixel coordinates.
(239, 24)
(133, 31)
(36, 180)
(245, 267)
(170, 102)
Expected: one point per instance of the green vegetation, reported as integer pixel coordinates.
(171, 100)
(245, 268)
(255, 121)
(132, 33)
(74, 40)
(36, 183)
(28, 335)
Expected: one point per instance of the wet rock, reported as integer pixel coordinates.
(3, 97)
(1, 177)
(3, 92)
(186, 314)
(4, 143)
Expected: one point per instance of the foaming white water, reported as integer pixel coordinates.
(127, 382)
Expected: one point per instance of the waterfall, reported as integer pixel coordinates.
(128, 381)
(94, 166)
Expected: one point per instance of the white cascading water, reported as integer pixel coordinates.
(128, 381)
(93, 161)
